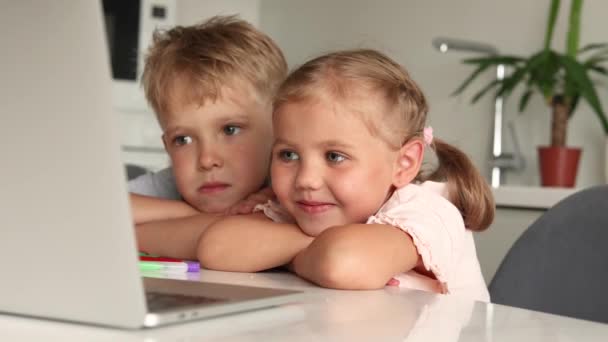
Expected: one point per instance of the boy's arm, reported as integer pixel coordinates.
(145, 209)
(250, 243)
(177, 238)
(356, 257)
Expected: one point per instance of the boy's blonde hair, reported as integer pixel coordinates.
(223, 51)
(400, 115)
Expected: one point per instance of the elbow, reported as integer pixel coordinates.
(210, 251)
(341, 269)
(342, 276)
(215, 251)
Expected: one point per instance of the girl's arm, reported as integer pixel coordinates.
(357, 257)
(145, 209)
(176, 238)
(250, 243)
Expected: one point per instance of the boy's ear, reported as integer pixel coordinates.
(407, 165)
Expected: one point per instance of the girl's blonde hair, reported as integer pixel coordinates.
(399, 117)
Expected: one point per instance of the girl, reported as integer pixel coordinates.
(354, 209)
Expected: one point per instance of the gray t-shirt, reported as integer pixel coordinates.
(156, 184)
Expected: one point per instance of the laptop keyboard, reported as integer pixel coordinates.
(158, 302)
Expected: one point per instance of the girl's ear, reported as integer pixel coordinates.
(407, 165)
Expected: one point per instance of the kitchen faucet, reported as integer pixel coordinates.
(500, 161)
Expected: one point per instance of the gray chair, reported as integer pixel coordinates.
(560, 263)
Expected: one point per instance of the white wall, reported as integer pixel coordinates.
(194, 11)
(404, 29)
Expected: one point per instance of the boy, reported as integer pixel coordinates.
(211, 87)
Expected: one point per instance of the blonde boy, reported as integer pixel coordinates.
(211, 87)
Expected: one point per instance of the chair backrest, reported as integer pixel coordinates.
(560, 263)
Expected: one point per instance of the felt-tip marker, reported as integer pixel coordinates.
(183, 266)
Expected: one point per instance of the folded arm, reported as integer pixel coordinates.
(146, 209)
(357, 257)
(177, 238)
(250, 243)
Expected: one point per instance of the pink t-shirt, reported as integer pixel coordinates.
(437, 229)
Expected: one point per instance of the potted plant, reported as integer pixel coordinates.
(562, 79)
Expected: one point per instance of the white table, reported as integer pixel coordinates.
(391, 314)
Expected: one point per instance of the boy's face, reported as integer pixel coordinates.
(327, 169)
(219, 151)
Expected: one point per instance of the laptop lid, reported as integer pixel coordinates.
(67, 240)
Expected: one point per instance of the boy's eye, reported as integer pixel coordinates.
(182, 140)
(231, 130)
(334, 157)
(287, 155)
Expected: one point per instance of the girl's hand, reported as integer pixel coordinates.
(246, 206)
(393, 282)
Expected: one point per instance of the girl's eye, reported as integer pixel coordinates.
(287, 155)
(182, 140)
(334, 157)
(231, 130)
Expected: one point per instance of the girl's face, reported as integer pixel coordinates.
(327, 169)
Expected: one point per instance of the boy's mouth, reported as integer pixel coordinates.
(213, 187)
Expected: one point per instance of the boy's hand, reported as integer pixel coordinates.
(246, 206)
(147, 209)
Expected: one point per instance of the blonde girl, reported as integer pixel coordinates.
(355, 210)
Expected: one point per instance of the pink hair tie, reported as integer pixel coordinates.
(428, 135)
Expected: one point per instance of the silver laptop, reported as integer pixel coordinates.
(66, 237)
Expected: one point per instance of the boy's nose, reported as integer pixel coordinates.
(209, 158)
(309, 177)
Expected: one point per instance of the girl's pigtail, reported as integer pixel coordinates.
(468, 190)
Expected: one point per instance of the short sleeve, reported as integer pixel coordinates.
(274, 211)
(434, 224)
(158, 184)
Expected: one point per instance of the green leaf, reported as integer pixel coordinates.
(599, 54)
(592, 46)
(596, 59)
(483, 64)
(599, 69)
(574, 27)
(523, 102)
(577, 73)
(518, 75)
(485, 90)
(544, 71)
(573, 105)
(470, 79)
(509, 83)
(495, 60)
(553, 11)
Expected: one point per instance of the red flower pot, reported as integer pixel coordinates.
(558, 166)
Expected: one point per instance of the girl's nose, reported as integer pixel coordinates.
(309, 177)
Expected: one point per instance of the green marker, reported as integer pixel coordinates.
(163, 266)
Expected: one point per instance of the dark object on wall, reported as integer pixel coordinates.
(122, 32)
(560, 263)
